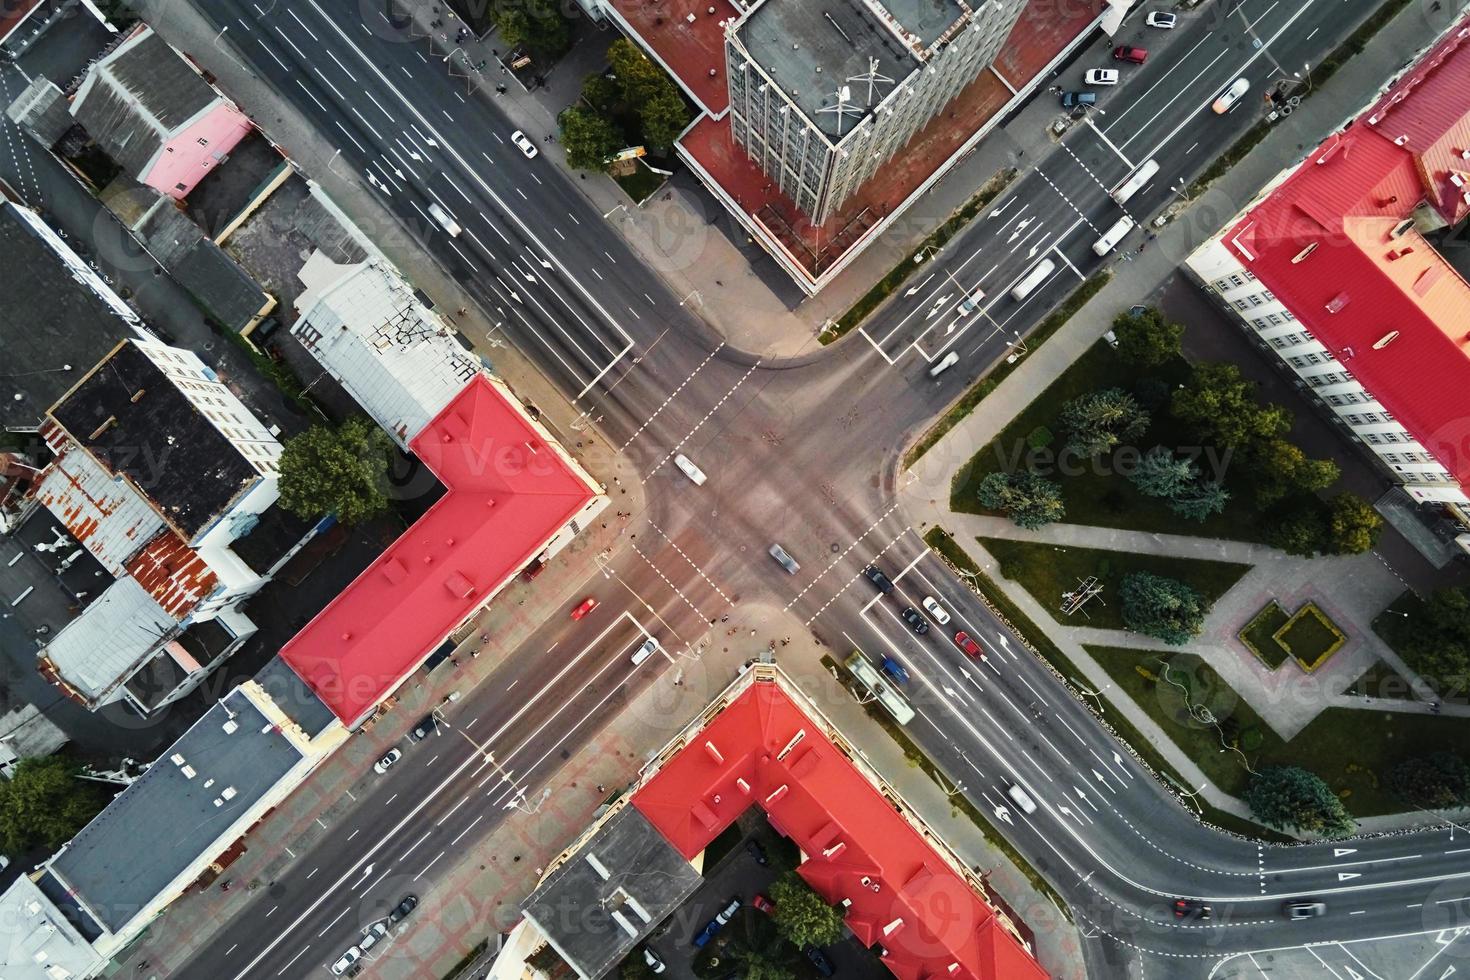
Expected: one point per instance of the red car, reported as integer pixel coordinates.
(584, 607)
(1124, 53)
(763, 904)
(963, 641)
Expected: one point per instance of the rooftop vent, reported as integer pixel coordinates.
(598, 866)
(229, 792)
(188, 771)
(177, 759)
(231, 726)
(1337, 302)
(1298, 257)
(1401, 228)
(1385, 340)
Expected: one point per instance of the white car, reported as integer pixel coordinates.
(1231, 96)
(523, 141)
(936, 610)
(1161, 18)
(381, 766)
(370, 937)
(1101, 76)
(687, 467)
(350, 957)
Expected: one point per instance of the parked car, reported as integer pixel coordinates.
(754, 849)
(882, 582)
(405, 905)
(654, 961)
(936, 611)
(895, 670)
(915, 619)
(714, 925)
(967, 643)
(787, 562)
(524, 144)
(381, 766)
(762, 904)
(371, 935)
(1124, 52)
(428, 725)
(350, 957)
(584, 607)
(1303, 909)
(728, 912)
(1161, 18)
(820, 961)
(1100, 76)
(1189, 908)
(1071, 100)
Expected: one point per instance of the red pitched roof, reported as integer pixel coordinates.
(763, 750)
(509, 492)
(1372, 279)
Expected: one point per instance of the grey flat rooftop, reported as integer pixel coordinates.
(293, 697)
(56, 324)
(579, 908)
(928, 18)
(833, 41)
(151, 832)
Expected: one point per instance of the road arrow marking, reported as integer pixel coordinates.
(365, 872)
(1004, 814)
(1347, 875)
(1446, 973)
(951, 692)
(1034, 249)
(1353, 974)
(1452, 934)
(1338, 852)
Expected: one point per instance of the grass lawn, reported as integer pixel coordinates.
(1310, 637)
(640, 183)
(1382, 681)
(1046, 571)
(1260, 634)
(1094, 491)
(1333, 745)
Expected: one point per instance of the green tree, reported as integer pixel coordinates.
(664, 117)
(635, 967)
(588, 138)
(1161, 607)
(1300, 529)
(1352, 524)
(1098, 422)
(536, 25)
(1220, 405)
(1161, 474)
(601, 93)
(1282, 469)
(1291, 797)
(1199, 500)
(759, 950)
(1435, 782)
(801, 915)
(342, 471)
(1146, 338)
(649, 93)
(1432, 635)
(44, 804)
(1028, 500)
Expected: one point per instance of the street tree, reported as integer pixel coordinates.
(601, 93)
(342, 471)
(649, 93)
(1299, 529)
(1161, 607)
(1220, 405)
(1353, 525)
(1030, 501)
(1432, 635)
(1161, 474)
(1146, 338)
(44, 804)
(801, 915)
(589, 139)
(1199, 500)
(1282, 469)
(1437, 781)
(536, 25)
(1098, 422)
(1291, 797)
(663, 117)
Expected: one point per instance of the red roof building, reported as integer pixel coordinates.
(906, 893)
(512, 494)
(1336, 268)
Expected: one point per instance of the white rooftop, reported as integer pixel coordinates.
(36, 940)
(103, 646)
(363, 323)
(103, 512)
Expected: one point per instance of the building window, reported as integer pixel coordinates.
(1242, 305)
(202, 141)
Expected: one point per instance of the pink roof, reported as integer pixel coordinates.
(763, 750)
(509, 492)
(1371, 279)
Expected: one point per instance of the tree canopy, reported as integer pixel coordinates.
(1344, 525)
(342, 471)
(1146, 338)
(536, 25)
(1282, 469)
(1432, 635)
(801, 915)
(589, 139)
(44, 804)
(1220, 405)
(1291, 797)
(1100, 421)
(1161, 607)
(649, 94)
(1437, 781)
(1030, 501)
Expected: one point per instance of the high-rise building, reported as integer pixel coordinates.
(823, 93)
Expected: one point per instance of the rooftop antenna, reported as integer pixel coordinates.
(844, 106)
(871, 76)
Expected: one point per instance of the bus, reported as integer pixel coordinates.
(1113, 235)
(887, 694)
(1032, 279)
(1135, 183)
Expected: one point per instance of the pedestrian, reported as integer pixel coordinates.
(601, 788)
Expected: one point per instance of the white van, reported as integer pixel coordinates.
(944, 364)
(445, 221)
(648, 649)
(1113, 235)
(1021, 798)
(971, 302)
(1034, 278)
(1134, 184)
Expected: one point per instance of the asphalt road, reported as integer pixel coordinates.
(803, 453)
